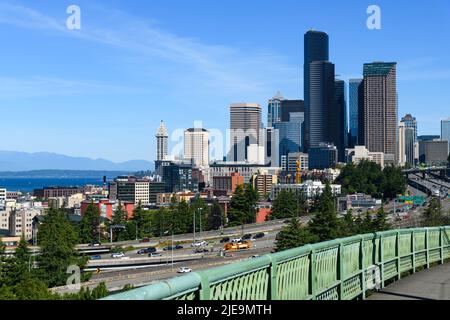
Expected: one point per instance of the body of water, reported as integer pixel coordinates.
(29, 184)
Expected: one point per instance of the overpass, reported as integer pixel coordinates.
(341, 269)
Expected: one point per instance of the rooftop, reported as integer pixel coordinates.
(378, 68)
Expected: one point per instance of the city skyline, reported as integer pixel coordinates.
(126, 82)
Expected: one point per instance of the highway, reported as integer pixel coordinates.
(152, 270)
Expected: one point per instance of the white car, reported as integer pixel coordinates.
(199, 244)
(184, 270)
(237, 240)
(118, 255)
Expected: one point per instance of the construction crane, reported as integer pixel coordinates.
(298, 174)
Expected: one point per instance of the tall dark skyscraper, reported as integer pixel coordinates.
(356, 103)
(321, 103)
(338, 129)
(291, 106)
(316, 45)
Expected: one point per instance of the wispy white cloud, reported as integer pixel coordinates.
(215, 67)
(11, 88)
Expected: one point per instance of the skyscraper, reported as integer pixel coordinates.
(290, 134)
(401, 144)
(380, 109)
(338, 129)
(162, 142)
(274, 110)
(245, 122)
(445, 130)
(316, 48)
(356, 95)
(321, 103)
(291, 106)
(410, 122)
(410, 146)
(196, 146)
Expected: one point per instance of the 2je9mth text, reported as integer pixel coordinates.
(226, 310)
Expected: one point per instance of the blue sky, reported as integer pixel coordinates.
(102, 90)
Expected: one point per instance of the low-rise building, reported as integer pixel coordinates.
(165, 199)
(56, 192)
(309, 189)
(356, 201)
(226, 185)
(107, 207)
(360, 153)
(21, 222)
(245, 169)
(263, 184)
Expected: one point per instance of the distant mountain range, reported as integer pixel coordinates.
(12, 161)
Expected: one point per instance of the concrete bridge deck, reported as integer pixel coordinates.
(430, 284)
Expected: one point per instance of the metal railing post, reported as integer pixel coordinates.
(397, 253)
(205, 290)
(427, 247)
(273, 270)
(441, 243)
(312, 273)
(341, 270)
(381, 252)
(413, 250)
(362, 267)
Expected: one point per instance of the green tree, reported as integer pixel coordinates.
(394, 182)
(286, 205)
(57, 240)
(216, 218)
(238, 207)
(325, 223)
(31, 288)
(381, 221)
(434, 215)
(119, 216)
(294, 235)
(20, 264)
(143, 219)
(348, 225)
(89, 229)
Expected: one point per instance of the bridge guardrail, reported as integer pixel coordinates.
(340, 269)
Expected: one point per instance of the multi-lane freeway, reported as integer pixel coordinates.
(139, 270)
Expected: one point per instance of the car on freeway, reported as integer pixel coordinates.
(184, 270)
(247, 237)
(169, 248)
(154, 255)
(236, 240)
(147, 250)
(97, 257)
(145, 240)
(118, 255)
(95, 244)
(259, 235)
(200, 243)
(225, 240)
(201, 250)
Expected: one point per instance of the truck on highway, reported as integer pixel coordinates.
(238, 246)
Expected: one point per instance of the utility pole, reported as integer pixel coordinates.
(195, 213)
(201, 210)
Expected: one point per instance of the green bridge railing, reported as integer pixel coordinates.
(341, 269)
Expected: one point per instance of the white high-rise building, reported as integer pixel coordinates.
(162, 142)
(401, 144)
(196, 146)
